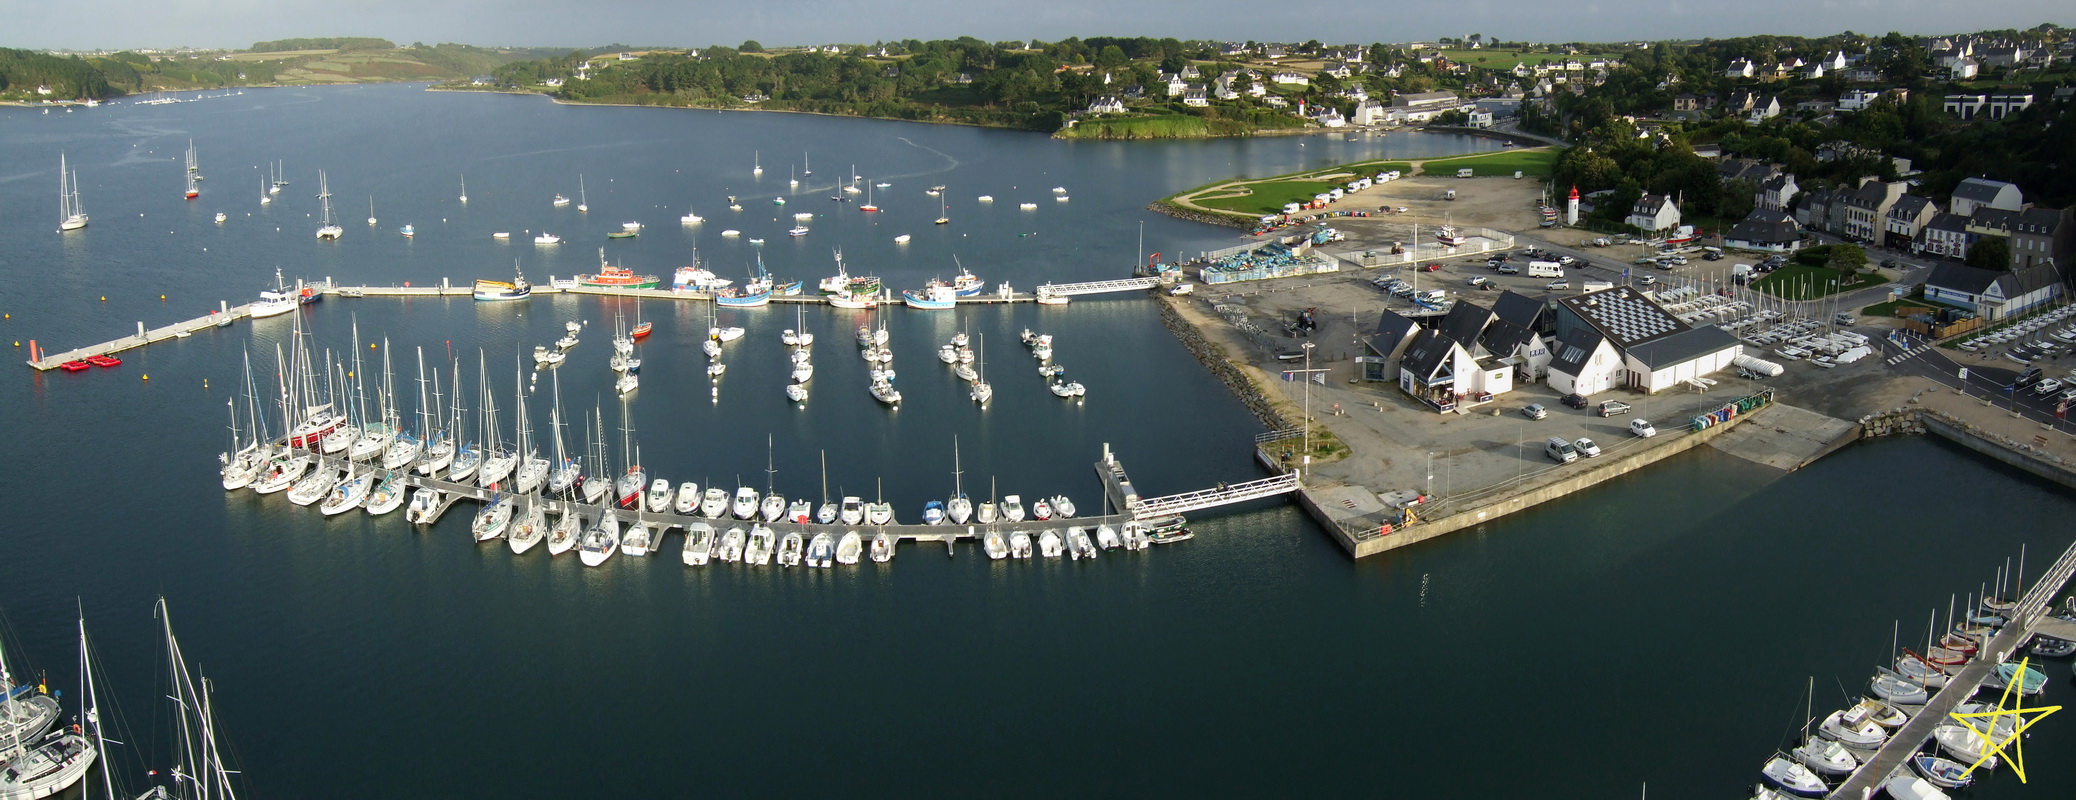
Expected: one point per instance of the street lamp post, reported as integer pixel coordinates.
(1306, 462)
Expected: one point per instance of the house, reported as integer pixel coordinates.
(1867, 209)
(1652, 349)
(1740, 68)
(1446, 368)
(1174, 85)
(1946, 236)
(1974, 193)
(962, 78)
(552, 82)
(1765, 230)
(1518, 335)
(1746, 169)
(1479, 118)
(1329, 117)
(1740, 101)
(1355, 93)
(1287, 78)
(1822, 209)
(1835, 62)
(1190, 73)
(1990, 222)
(2001, 57)
(628, 57)
(1812, 72)
(1689, 101)
(1195, 97)
(1994, 106)
(1993, 294)
(1654, 213)
(1275, 101)
(1763, 110)
(481, 80)
(1106, 105)
(2041, 237)
(1857, 99)
(1775, 193)
(1384, 349)
(1708, 151)
(1340, 71)
(2004, 105)
(1368, 112)
(1963, 69)
(1906, 219)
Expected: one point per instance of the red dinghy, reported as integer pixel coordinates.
(73, 366)
(104, 361)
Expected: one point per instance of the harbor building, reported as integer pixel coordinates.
(1620, 337)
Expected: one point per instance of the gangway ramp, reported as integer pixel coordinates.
(1097, 287)
(1215, 497)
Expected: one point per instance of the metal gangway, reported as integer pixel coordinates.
(1220, 496)
(1097, 287)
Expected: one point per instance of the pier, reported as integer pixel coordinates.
(227, 313)
(2028, 618)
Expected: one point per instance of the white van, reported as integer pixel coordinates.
(1432, 295)
(1466, 172)
(1557, 448)
(1545, 269)
(1292, 208)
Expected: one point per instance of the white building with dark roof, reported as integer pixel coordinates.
(1994, 294)
(1974, 193)
(1653, 213)
(1657, 351)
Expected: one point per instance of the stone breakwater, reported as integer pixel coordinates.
(1179, 212)
(1235, 379)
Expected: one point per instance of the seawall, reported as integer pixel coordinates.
(1997, 446)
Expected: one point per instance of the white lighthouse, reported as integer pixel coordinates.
(1571, 207)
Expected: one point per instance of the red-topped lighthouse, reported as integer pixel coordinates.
(1571, 207)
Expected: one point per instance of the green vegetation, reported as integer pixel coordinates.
(1798, 281)
(22, 72)
(1533, 163)
(323, 43)
(297, 61)
(1268, 198)
(1494, 58)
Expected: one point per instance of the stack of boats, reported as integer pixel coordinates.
(1847, 738)
(872, 346)
(800, 347)
(1055, 374)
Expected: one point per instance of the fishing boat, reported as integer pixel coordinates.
(71, 216)
(1966, 745)
(791, 548)
(1013, 508)
(327, 230)
(659, 496)
(1852, 728)
(1792, 776)
(882, 548)
(612, 277)
(820, 550)
(601, 540)
(1050, 544)
(996, 548)
(495, 517)
(1020, 545)
(1078, 544)
(635, 542)
(714, 503)
(687, 499)
(515, 289)
(528, 529)
(741, 297)
(699, 544)
(935, 296)
(547, 238)
(744, 505)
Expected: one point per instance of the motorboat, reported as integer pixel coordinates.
(1852, 728)
(2031, 684)
(882, 547)
(569, 527)
(1019, 544)
(1050, 545)
(728, 548)
(986, 513)
(883, 390)
(635, 542)
(1062, 507)
(773, 507)
(1013, 508)
(659, 495)
(996, 548)
(1826, 757)
(848, 548)
(687, 498)
(494, 519)
(1965, 745)
(2051, 647)
(1793, 777)
(528, 529)
(820, 550)
(699, 544)
(546, 238)
(1905, 786)
(790, 549)
(1942, 772)
(1041, 510)
(745, 503)
(879, 513)
(424, 501)
(762, 542)
(714, 504)
(1078, 544)
(852, 512)
(799, 511)
(796, 392)
(1106, 537)
(933, 513)
(601, 540)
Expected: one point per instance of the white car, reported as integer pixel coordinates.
(1642, 428)
(1555, 285)
(2047, 387)
(1477, 280)
(1586, 447)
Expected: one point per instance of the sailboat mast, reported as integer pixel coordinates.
(92, 713)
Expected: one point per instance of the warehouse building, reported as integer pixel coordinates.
(1621, 338)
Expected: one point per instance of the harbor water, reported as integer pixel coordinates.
(1547, 654)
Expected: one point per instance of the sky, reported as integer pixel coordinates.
(115, 24)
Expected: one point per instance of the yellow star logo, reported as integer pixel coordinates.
(1991, 748)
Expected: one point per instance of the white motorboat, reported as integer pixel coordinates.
(601, 540)
(820, 550)
(1852, 729)
(848, 548)
(699, 544)
(799, 511)
(659, 497)
(933, 512)
(732, 544)
(1793, 777)
(1078, 544)
(796, 392)
(883, 390)
(569, 527)
(547, 238)
(852, 512)
(762, 541)
(714, 504)
(1050, 545)
(1019, 545)
(1905, 786)
(1942, 772)
(1966, 746)
(1041, 510)
(1062, 507)
(687, 499)
(1013, 508)
(635, 542)
(745, 504)
(996, 548)
(791, 547)
(882, 548)
(387, 495)
(627, 383)
(528, 529)
(1826, 757)
(1106, 537)
(494, 519)
(424, 501)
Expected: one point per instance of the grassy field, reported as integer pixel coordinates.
(1534, 163)
(279, 55)
(1270, 197)
(1804, 282)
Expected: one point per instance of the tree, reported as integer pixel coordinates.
(751, 46)
(1991, 252)
(1848, 259)
(1111, 57)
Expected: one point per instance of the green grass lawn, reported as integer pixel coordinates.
(1804, 282)
(1270, 197)
(1533, 163)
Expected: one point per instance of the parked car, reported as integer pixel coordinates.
(1576, 400)
(1509, 269)
(1477, 280)
(1555, 285)
(1534, 411)
(1712, 256)
(1586, 447)
(1642, 428)
(1843, 318)
(1557, 448)
(2047, 387)
(1610, 408)
(1647, 280)
(1433, 267)
(1891, 263)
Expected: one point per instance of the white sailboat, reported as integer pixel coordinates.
(71, 216)
(199, 770)
(327, 230)
(982, 390)
(826, 512)
(567, 469)
(497, 462)
(371, 211)
(959, 508)
(464, 190)
(532, 470)
(583, 204)
(756, 163)
(602, 540)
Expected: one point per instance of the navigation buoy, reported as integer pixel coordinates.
(147, 377)
(104, 298)
(162, 298)
(371, 345)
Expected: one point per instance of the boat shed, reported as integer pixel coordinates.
(1658, 351)
(1383, 349)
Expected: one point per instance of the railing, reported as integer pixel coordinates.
(1210, 498)
(1096, 287)
(1277, 436)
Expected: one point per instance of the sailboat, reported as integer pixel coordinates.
(628, 490)
(959, 507)
(774, 505)
(464, 190)
(497, 464)
(982, 390)
(266, 197)
(583, 205)
(199, 770)
(826, 512)
(868, 208)
(756, 163)
(71, 216)
(328, 229)
(37, 766)
(532, 470)
(371, 211)
(805, 170)
(194, 172)
(942, 217)
(791, 179)
(567, 469)
(596, 487)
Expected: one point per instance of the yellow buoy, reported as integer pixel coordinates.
(162, 297)
(104, 298)
(147, 377)
(371, 345)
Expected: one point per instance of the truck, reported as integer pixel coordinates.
(1545, 269)
(1741, 273)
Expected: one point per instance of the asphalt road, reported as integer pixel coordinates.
(1990, 381)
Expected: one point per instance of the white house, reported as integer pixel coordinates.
(1763, 110)
(1368, 112)
(1741, 68)
(1654, 213)
(1329, 117)
(1946, 236)
(1195, 97)
(1478, 118)
(1857, 99)
(1290, 79)
(1994, 294)
(1835, 62)
(1775, 192)
(1963, 69)
(1765, 230)
(1106, 105)
(1621, 337)
(1973, 193)
(1445, 366)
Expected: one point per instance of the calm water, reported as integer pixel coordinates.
(1547, 654)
